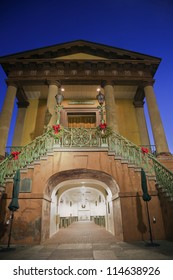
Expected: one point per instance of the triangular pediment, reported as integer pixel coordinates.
(75, 51)
(80, 56)
(80, 50)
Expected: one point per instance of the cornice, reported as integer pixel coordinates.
(83, 67)
(77, 70)
(77, 80)
(77, 46)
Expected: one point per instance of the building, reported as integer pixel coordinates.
(83, 140)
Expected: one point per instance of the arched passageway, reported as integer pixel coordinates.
(83, 196)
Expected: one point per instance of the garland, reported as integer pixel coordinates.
(56, 131)
(103, 130)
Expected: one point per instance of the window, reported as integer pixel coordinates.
(25, 185)
(85, 120)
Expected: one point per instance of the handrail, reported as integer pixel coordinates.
(88, 138)
(28, 153)
(130, 151)
(164, 177)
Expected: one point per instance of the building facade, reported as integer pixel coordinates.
(80, 157)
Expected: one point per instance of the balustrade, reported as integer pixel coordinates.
(90, 138)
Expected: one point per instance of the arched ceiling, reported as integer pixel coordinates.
(81, 194)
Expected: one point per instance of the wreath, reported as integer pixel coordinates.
(104, 130)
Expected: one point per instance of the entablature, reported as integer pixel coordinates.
(81, 68)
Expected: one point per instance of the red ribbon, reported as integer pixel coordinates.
(15, 154)
(144, 150)
(56, 128)
(103, 125)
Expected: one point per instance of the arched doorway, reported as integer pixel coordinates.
(81, 200)
(84, 195)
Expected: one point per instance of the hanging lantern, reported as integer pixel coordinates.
(59, 97)
(101, 98)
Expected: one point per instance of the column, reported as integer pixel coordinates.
(51, 103)
(156, 122)
(110, 106)
(22, 107)
(39, 126)
(5, 117)
(143, 131)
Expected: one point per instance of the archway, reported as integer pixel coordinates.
(83, 194)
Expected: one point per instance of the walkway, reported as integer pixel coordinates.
(87, 241)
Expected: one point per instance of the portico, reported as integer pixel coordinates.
(80, 67)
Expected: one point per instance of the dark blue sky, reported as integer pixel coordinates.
(136, 25)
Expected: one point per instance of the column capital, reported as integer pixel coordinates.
(12, 83)
(138, 103)
(107, 82)
(54, 82)
(23, 104)
(147, 83)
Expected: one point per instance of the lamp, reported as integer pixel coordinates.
(101, 99)
(59, 98)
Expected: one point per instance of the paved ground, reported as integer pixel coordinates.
(87, 241)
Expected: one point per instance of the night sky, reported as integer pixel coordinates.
(136, 25)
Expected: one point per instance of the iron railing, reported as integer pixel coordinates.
(88, 139)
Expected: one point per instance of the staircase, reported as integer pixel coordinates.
(93, 138)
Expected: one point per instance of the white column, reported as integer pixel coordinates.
(22, 107)
(143, 131)
(5, 117)
(110, 106)
(156, 122)
(51, 103)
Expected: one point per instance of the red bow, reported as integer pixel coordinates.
(103, 125)
(15, 154)
(144, 150)
(56, 128)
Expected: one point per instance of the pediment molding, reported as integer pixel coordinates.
(80, 46)
(80, 56)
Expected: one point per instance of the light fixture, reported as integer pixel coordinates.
(101, 98)
(59, 97)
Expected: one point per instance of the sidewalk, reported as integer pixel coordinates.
(87, 241)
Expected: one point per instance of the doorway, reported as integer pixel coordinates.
(81, 200)
(90, 195)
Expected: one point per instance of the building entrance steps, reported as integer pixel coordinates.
(88, 241)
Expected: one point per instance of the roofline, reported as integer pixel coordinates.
(113, 48)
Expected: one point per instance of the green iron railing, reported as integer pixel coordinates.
(126, 150)
(164, 178)
(88, 139)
